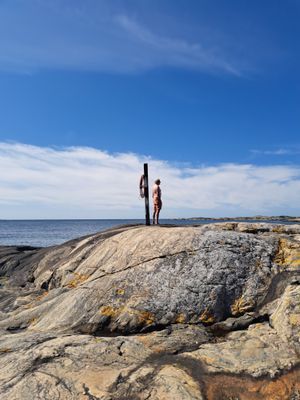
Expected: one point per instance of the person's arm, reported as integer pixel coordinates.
(159, 192)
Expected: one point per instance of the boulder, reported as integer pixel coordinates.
(153, 313)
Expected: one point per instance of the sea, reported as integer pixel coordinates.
(44, 233)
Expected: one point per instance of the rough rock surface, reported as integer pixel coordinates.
(203, 312)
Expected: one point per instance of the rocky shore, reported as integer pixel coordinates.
(154, 313)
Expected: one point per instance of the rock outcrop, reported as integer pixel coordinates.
(203, 312)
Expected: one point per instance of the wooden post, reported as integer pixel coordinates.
(146, 192)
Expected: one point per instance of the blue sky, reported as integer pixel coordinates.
(187, 84)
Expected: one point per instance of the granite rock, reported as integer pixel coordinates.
(137, 312)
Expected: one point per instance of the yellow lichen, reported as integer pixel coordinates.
(296, 262)
(288, 253)
(77, 280)
(120, 292)
(145, 317)
(206, 318)
(278, 229)
(108, 311)
(33, 321)
(295, 319)
(180, 319)
(240, 306)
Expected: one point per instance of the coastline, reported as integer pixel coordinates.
(258, 218)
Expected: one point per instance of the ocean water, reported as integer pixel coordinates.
(42, 233)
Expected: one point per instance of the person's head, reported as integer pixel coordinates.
(157, 181)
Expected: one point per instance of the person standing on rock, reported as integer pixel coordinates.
(157, 203)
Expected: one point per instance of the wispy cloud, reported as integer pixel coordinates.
(176, 51)
(100, 36)
(277, 152)
(78, 182)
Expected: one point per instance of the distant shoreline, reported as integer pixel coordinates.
(281, 218)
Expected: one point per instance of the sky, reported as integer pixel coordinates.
(206, 91)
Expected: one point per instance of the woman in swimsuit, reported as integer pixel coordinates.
(157, 203)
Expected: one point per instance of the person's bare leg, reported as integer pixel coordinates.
(157, 216)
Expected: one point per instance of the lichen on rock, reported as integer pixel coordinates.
(152, 313)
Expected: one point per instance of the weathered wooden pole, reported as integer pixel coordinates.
(146, 192)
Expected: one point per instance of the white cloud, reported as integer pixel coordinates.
(175, 51)
(80, 182)
(277, 152)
